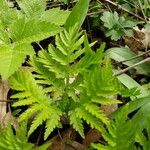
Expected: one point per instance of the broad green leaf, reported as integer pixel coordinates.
(133, 105)
(8, 16)
(131, 83)
(117, 26)
(55, 15)
(3, 5)
(136, 104)
(141, 118)
(32, 8)
(23, 31)
(12, 58)
(78, 14)
(121, 54)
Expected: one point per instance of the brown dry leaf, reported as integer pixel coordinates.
(137, 42)
(140, 40)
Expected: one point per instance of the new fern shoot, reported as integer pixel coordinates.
(49, 92)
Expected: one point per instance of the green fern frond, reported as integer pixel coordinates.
(10, 141)
(93, 121)
(100, 83)
(66, 61)
(39, 103)
(120, 133)
(17, 139)
(52, 122)
(95, 111)
(73, 81)
(76, 122)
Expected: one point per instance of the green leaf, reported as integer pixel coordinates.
(55, 16)
(32, 8)
(122, 54)
(23, 31)
(53, 122)
(17, 141)
(12, 58)
(117, 26)
(3, 5)
(76, 122)
(131, 83)
(38, 101)
(78, 14)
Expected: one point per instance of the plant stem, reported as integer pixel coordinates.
(128, 68)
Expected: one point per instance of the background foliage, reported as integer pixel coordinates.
(78, 72)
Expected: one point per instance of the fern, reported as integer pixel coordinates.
(120, 133)
(33, 95)
(143, 138)
(79, 98)
(128, 133)
(17, 141)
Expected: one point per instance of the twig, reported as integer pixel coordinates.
(121, 8)
(7, 101)
(130, 67)
(95, 13)
(135, 57)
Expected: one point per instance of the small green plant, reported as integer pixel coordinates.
(120, 133)
(124, 132)
(18, 140)
(70, 82)
(117, 25)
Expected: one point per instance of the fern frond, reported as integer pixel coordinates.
(93, 121)
(72, 57)
(52, 122)
(100, 82)
(95, 111)
(39, 103)
(10, 141)
(76, 122)
(70, 73)
(120, 133)
(17, 139)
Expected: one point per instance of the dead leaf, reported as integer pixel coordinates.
(139, 41)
